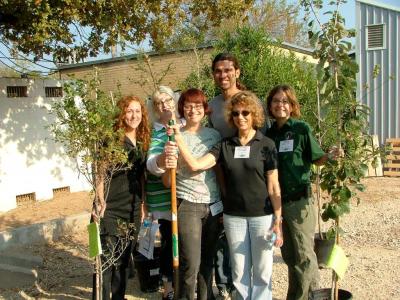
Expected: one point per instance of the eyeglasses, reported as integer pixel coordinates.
(236, 113)
(166, 101)
(195, 107)
(283, 101)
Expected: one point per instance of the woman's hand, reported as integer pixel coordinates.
(98, 211)
(335, 152)
(174, 129)
(171, 155)
(279, 236)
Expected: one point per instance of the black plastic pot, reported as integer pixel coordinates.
(322, 248)
(325, 294)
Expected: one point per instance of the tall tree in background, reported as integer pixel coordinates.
(86, 28)
(277, 18)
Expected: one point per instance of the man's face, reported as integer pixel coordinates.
(225, 74)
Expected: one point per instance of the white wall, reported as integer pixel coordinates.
(30, 161)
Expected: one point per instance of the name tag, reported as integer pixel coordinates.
(242, 152)
(286, 146)
(216, 208)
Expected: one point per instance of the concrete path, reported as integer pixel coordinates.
(17, 267)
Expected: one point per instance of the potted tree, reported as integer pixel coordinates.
(345, 120)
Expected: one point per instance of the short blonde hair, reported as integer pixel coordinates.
(162, 89)
(252, 104)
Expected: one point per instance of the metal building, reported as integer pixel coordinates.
(378, 56)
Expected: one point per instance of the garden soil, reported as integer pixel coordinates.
(371, 241)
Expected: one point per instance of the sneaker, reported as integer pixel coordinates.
(170, 296)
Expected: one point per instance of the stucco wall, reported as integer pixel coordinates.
(30, 162)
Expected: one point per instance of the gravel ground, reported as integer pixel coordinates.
(371, 241)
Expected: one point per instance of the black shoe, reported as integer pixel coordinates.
(170, 296)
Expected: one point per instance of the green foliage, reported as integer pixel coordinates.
(264, 64)
(87, 28)
(84, 126)
(344, 121)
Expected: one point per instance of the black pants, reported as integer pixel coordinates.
(166, 249)
(115, 276)
(198, 234)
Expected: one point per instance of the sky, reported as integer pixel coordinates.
(347, 10)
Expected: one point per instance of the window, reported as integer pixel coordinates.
(53, 91)
(376, 37)
(17, 91)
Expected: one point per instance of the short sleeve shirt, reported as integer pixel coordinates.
(297, 149)
(199, 186)
(245, 178)
(217, 117)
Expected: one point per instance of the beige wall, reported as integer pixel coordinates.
(132, 80)
(131, 77)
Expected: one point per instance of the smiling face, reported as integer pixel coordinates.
(193, 112)
(242, 117)
(164, 105)
(133, 115)
(225, 74)
(280, 106)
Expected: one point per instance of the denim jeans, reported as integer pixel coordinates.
(222, 264)
(251, 255)
(198, 235)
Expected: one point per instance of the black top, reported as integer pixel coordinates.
(124, 188)
(245, 178)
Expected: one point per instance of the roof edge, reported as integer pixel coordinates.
(126, 58)
(285, 45)
(379, 4)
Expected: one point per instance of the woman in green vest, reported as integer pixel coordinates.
(297, 151)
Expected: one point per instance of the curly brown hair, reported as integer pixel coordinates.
(291, 97)
(143, 130)
(250, 101)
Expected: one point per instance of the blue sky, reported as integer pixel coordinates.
(347, 10)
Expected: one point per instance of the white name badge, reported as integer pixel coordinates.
(286, 146)
(242, 152)
(216, 208)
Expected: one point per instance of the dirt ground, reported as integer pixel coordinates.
(371, 241)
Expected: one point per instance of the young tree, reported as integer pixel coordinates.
(85, 127)
(345, 119)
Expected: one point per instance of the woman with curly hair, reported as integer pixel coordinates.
(251, 204)
(120, 208)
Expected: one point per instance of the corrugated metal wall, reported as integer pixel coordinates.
(382, 92)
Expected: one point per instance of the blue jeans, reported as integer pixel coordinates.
(251, 255)
(198, 235)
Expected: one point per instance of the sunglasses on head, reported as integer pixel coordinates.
(236, 113)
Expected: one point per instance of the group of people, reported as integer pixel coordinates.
(238, 177)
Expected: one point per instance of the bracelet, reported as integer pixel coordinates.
(277, 219)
